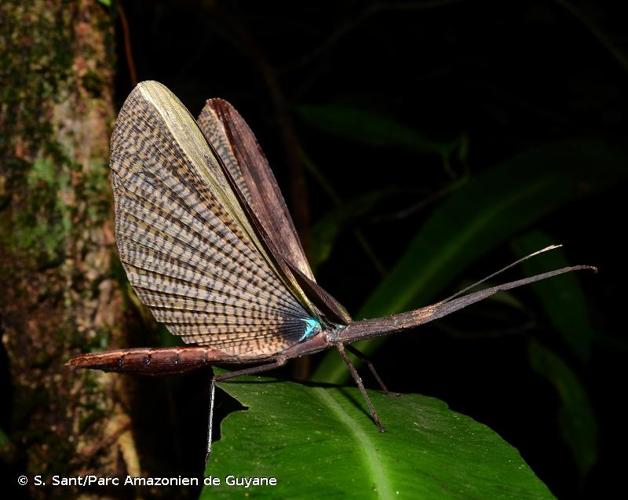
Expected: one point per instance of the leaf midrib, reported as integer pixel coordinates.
(371, 458)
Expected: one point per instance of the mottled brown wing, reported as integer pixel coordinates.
(232, 139)
(184, 240)
(237, 146)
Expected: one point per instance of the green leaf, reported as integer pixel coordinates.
(562, 297)
(576, 419)
(481, 215)
(321, 439)
(373, 129)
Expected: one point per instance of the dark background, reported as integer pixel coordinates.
(473, 84)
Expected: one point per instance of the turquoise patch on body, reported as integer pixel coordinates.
(312, 327)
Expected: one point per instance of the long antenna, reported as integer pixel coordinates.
(503, 269)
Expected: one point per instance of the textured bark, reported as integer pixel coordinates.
(58, 289)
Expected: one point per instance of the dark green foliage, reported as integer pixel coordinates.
(564, 303)
(576, 420)
(560, 295)
(376, 129)
(481, 215)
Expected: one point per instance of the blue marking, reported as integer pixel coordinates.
(312, 327)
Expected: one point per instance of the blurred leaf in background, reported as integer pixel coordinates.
(576, 420)
(484, 213)
(327, 228)
(376, 129)
(562, 298)
(563, 301)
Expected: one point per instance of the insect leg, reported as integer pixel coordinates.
(358, 381)
(370, 365)
(221, 378)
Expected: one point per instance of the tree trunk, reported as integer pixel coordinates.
(59, 291)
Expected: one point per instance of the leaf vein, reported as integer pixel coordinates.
(372, 460)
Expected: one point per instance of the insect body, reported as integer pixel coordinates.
(208, 245)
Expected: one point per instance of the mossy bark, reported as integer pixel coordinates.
(58, 289)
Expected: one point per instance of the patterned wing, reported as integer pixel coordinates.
(234, 142)
(187, 247)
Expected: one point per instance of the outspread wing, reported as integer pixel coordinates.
(185, 242)
(234, 142)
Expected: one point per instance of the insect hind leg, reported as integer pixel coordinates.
(370, 366)
(252, 370)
